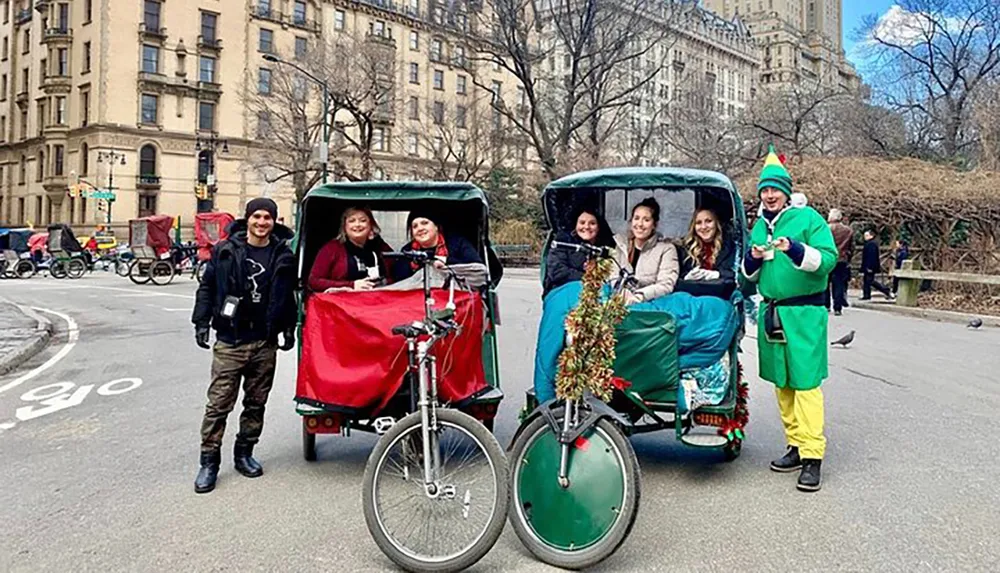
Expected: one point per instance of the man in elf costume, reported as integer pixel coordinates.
(791, 255)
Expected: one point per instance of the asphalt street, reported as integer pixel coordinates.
(99, 449)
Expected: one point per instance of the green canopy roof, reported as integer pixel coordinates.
(398, 190)
(637, 177)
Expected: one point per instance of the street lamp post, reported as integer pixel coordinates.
(325, 153)
(111, 157)
(210, 144)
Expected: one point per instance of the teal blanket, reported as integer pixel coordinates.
(705, 330)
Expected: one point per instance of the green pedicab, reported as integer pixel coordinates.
(575, 483)
(68, 257)
(15, 254)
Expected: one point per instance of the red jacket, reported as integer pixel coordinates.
(329, 270)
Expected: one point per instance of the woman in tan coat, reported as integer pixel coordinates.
(643, 251)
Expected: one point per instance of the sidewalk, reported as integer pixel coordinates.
(23, 333)
(879, 303)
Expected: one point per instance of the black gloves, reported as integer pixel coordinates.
(201, 336)
(289, 339)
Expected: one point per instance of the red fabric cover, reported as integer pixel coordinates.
(204, 233)
(350, 357)
(158, 230)
(38, 242)
(330, 267)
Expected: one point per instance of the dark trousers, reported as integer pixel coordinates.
(252, 363)
(839, 278)
(869, 283)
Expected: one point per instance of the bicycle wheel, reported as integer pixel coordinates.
(583, 524)
(453, 529)
(57, 269)
(138, 272)
(75, 268)
(161, 272)
(24, 269)
(199, 270)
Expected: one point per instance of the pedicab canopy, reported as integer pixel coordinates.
(62, 239)
(209, 229)
(38, 242)
(350, 360)
(15, 240)
(150, 233)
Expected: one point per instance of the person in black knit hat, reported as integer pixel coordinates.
(247, 296)
(427, 235)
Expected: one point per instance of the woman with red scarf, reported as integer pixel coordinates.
(707, 258)
(426, 235)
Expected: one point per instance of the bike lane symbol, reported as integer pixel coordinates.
(56, 397)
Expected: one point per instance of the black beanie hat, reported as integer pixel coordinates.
(264, 203)
(422, 213)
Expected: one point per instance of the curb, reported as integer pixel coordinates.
(926, 313)
(43, 332)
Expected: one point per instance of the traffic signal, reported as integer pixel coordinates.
(74, 190)
(201, 191)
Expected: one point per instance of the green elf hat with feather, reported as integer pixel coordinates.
(774, 174)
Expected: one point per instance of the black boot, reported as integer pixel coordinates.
(244, 463)
(788, 462)
(209, 472)
(809, 479)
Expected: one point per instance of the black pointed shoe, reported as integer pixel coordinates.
(789, 462)
(244, 463)
(809, 479)
(208, 473)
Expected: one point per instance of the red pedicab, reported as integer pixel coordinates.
(151, 245)
(209, 229)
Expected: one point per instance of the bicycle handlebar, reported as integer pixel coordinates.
(591, 250)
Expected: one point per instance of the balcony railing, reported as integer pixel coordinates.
(57, 33)
(152, 31)
(209, 43)
(147, 181)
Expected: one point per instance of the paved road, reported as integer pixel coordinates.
(106, 485)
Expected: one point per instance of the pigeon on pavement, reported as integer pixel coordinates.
(844, 340)
(976, 322)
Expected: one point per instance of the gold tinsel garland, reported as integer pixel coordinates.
(586, 364)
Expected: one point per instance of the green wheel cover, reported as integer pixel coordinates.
(573, 518)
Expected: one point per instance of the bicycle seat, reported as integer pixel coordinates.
(407, 330)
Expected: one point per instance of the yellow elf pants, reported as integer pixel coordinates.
(802, 415)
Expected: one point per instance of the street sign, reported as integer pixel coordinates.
(107, 195)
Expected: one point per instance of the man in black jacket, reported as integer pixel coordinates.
(247, 296)
(871, 264)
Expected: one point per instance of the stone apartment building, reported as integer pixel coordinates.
(153, 94)
(797, 39)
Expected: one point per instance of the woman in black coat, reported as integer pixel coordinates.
(566, 265)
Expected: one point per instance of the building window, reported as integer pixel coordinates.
(378, 139)
(22, 176)
(26, 48)
(147, 204)
(460, 116)
(3, 87)
(25, 80)
(151, 15)
(147, 162)
(264, 8)
(414, 41)
(438, 80)
(414, 73)
(150, 59)
(6, 48)
(3, 129)
(43, 68)
(414, 107)
(265, 41)
(301, 47)
(206, 69)
(413, 8)
(61, 110)
(460, 85)
(436, 48)
(497, 86)
(42, 117)
(438, 113)
(86, 57)
(338, 20)
(299, 13)
(206, 116)
(58, 159)
(62, 18)
(263, 123)
(24, 124)
(209, 24)
(412, 146)
(460, 56)
(84, 159)
(264, 81)
(84, 108)
(63, 61)
(88, 11)
(40, 171)
(150, 109)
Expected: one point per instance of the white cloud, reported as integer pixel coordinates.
(899, 26)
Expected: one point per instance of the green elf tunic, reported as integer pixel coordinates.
(801, 362)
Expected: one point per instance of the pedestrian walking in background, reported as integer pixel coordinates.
(843, 236)
(871, 265)
(246, 295)
(902, 253)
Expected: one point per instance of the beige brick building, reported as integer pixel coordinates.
(153, 93)
(798, 39)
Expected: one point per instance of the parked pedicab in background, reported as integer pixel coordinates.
(415, 362)
(157, 257)
(209, 229)
(15, 254)
(68, 256)
(574, 478)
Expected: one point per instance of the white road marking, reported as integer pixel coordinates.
(133, 292)
(74, 334)
(7, 426)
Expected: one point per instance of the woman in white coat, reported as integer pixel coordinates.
(644, 251)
